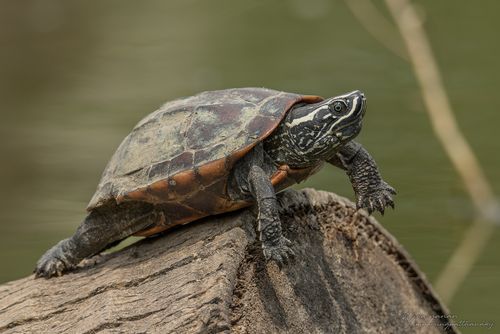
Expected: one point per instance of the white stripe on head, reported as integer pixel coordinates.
(308, 117)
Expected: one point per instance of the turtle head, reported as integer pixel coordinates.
(346, 115)
(319, 130)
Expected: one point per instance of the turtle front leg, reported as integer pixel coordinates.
(274, 246)
(372, 192)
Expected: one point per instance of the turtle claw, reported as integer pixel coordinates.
(381, 207)
(377, 199)
(279, 252)
(51, 268)
(389, 201)
(52, 263)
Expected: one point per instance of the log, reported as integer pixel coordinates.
(349, 275)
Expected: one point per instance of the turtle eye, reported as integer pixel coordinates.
(338, 107)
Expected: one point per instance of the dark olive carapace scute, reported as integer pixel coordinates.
(189, 146)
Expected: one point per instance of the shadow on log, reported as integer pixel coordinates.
(349, 276)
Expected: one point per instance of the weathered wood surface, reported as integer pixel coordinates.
(349, 276)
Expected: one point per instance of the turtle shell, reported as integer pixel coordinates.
(181, 154)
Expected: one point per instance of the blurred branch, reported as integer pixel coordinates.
(463, 258)
(438, 106)
(377, 25)
(453, 141)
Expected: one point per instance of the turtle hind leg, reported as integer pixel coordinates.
(56, 260)
(102, 227)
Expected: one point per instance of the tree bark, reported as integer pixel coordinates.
(348, 276)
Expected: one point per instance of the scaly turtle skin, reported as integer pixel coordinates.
(217, 152)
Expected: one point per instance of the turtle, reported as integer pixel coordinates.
(221, 151)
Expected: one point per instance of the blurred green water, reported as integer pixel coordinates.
(76, 76)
